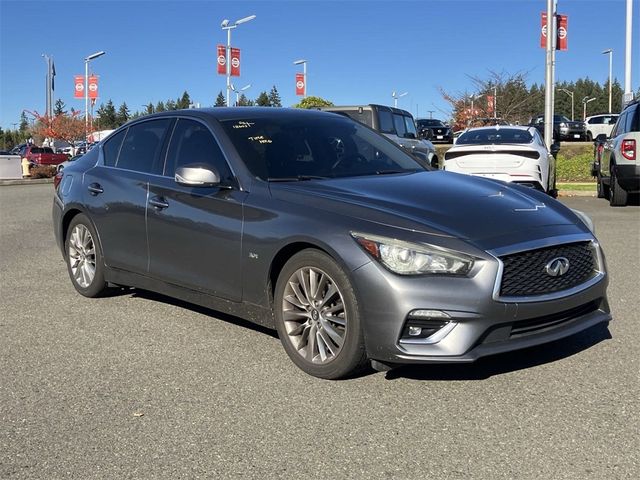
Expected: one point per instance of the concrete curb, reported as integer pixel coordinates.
(26, 181)
(576, 193)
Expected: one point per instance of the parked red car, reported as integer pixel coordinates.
(42, 155)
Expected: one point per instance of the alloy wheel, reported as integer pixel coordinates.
(314, 315)
(82, 256)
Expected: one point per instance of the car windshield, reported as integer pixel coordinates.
(430, 123)
(560, 118)
(310, 147)
(491, 136)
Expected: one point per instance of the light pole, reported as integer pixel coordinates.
(570, 93)
(395, 97)
(610, 52)
(86, 90)
(304, 74)
(226, 25)
(586, 100)
(239, 91)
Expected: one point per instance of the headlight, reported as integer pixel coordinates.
(407, 258)
(585, 219)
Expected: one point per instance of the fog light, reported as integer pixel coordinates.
(415, 331)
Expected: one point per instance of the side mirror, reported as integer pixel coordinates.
(195, 175)
(601, 138)
(409, 135)
(554, 149)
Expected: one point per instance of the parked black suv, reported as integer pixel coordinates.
(434, 130)
(563, 128)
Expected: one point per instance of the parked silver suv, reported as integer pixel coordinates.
(618, 170)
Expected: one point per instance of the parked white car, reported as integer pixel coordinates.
(510, 153)
(599, 124)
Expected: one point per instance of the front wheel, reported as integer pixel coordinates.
(84, 257)
(317, 316)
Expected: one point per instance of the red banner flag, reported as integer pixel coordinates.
(222, 60)
(235, 62)
(561, 31)
(93, 86)
(300, 86)
(562, 22)
(79, 86)
(490, 104)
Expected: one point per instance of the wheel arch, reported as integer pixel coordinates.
(67, 218)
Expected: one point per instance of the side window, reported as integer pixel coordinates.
(398, 122)
(111, 148)
(635, 126)
(141, 147)
(628, 125)
(596, 120)
(386, 122)
(619, 126)
(192, 142)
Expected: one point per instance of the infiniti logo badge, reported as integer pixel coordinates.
(557, 267)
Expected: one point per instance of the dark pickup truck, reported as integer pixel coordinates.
(42, 155)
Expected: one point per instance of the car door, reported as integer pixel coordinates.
(195, 232)
(116, 192)
(610, 145)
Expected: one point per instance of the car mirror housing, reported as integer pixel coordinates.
(555, 148)
(601, 138)
(195, 175)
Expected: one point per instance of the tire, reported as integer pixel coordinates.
(589, 137)
(618, 196)
(84, 259)
(323, 340)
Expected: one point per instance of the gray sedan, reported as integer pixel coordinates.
(320, 227)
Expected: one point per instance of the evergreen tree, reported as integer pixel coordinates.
(220, 101)
(263, 100)
(243, 101)
(60, 108)
(149, 109)
(107, 116)
(274, 97)
(171, 105)
(24, 123)
(160, 107)
(123, 114)
(184, 101)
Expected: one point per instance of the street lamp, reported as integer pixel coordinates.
(239, 91)
(226, 25)
(86, 90)
(586, 100)
(304, 74)
(395, 97)
(570, 93)
(609, 51)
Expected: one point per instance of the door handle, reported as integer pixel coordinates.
(158, 202)
(95, 189)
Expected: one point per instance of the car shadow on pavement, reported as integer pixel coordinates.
(214, 314)
(506, 362)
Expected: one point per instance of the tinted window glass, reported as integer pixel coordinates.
(409, 125)
(635, 126)
(427, 122)
(141, 146)
(619, 127)
(191, 143)
(596, 121)
(112, 147)
(494, 136)
(628, 125)
(286, 148)
(386, 122)
(366, 117)
(398, 123)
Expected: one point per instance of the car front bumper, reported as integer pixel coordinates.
(483, 325)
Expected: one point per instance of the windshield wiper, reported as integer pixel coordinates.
(297, 178)
(393, 172)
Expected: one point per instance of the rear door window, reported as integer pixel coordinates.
(141, 147)
(398, 123)
(629, 122)
(111, 148)
(386, 122)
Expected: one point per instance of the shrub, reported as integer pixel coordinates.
(575, 168)
(43, 171)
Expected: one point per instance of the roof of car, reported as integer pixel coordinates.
(501, 127)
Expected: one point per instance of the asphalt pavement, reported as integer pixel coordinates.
(137, 385)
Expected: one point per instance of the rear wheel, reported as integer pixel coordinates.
(318, 317)
(84, 257)
(601, 188)
(589, 137)
(618, 196)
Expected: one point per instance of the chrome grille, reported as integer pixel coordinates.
(524, 273)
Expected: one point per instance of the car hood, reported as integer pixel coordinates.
(436, 202)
